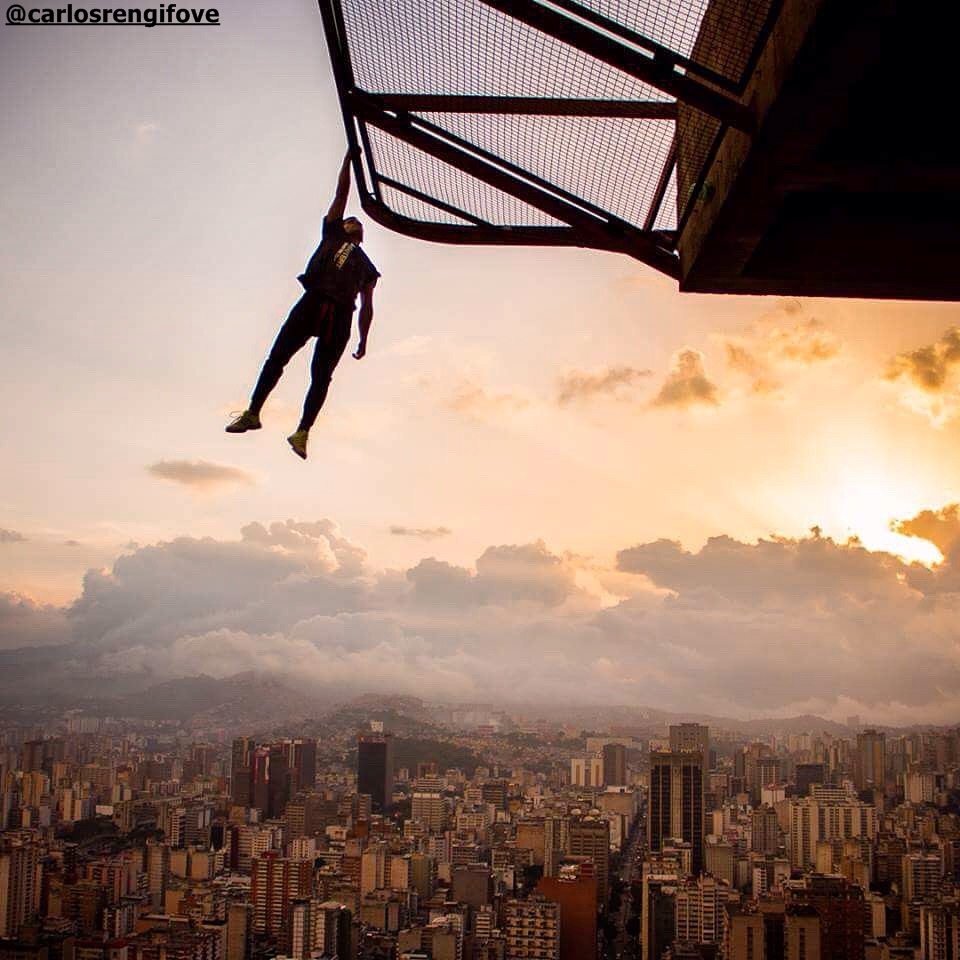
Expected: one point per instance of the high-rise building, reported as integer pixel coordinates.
(586, 772)
(939, 932)
(839, 913)
(532, 929)
(575, 890)
(158, 870)
(238, 930)
(430, 809)
(802, 934)
(20, 876)
(690, 737)
(331, 929)
(275, 883)
(658, 913)
(807, 775)
(280, 778)
(764, 830)
(921, 874)
(826, 817)
(241, 776)
(744, 937)
(423, 874)
(871, 760)
(721, 859)
(375, 768)
(472, 884)
(260, 779)
(301, 929)
(699, 909)
(496, 792)
(303, 764)
(677, 800)
(373, 868)
(589, 836)
(615, 765)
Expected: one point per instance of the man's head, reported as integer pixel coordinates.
(354, 229)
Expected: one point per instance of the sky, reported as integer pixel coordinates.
(549, 457)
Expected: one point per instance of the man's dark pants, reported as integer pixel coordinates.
(313, 315)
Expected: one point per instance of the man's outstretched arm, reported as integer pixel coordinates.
(339, 205)
(364, 319)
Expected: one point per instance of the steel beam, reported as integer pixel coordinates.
(481, 235)
(656, 50)
(661, 189)
(659, 72)
(433, 201)
(592, 230)
(533, 106)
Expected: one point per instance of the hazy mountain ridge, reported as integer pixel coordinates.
(47, 679)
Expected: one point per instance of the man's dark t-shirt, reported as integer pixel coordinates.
(339, 269)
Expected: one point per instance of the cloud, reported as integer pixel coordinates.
(807, 343)
(941, 527)
(11, 536)
(200, 475)
(928, 377)
(26, 623)
(687, 384)
(780, 626)
(577, 385)
(506, 576)
(472, 400)
(778, 340)
(742, 360)
(928, 367)
(422, 533)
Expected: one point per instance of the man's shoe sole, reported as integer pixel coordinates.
(302, 456)
(230, 429)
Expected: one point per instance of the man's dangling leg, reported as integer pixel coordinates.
(292, 336)
(326, 355)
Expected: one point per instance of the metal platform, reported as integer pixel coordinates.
(688, 134)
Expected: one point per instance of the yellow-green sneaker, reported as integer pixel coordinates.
(246, 421)
(298, 443)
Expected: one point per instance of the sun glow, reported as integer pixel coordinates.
(866, 506)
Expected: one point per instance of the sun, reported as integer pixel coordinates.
(867, 503)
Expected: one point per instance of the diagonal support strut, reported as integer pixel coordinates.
(657, 72)
(594, 230)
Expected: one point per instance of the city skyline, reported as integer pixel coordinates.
(552, 477)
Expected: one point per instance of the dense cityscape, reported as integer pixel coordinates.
(393, 830)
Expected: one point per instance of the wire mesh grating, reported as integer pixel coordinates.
(613, 164)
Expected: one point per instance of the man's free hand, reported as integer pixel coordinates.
(361, 350)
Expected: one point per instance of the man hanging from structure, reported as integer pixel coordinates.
(336, 273)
